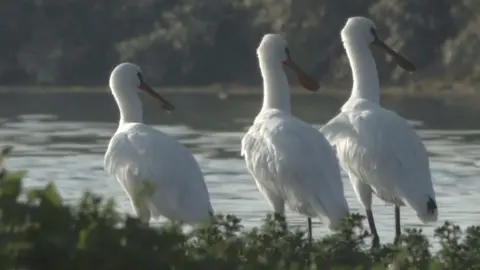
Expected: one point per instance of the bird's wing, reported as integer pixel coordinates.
(338, 129)
(292, 159)
(143, 158)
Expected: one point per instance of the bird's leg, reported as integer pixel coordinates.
(373, 229)
(144, 216)
(145, 221)
(397, 224)
(141, 210)
(309, 223)
(364, 192)
(278, 206)
(310, 240)
(283, 217)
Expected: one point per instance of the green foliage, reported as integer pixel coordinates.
(39, 231)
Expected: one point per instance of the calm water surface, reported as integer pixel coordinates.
(63, 137)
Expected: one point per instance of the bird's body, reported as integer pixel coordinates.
(292, 163)
(379, 150)
(141, 157)
(160, 175)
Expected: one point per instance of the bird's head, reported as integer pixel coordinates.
(274, 49)
(362, 31)
(128, 77)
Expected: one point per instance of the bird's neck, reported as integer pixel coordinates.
(364, 71)
(276, 91)
(130, 106)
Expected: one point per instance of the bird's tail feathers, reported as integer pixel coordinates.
(425, 205)
(420, 196)
(331, 212)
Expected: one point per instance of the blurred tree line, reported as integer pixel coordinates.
(194, 43)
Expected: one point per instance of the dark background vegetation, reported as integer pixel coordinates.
(197, 43)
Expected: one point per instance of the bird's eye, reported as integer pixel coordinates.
(140, 76)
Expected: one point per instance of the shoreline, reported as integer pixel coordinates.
(413, 91)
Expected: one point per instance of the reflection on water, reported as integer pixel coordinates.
(66, 144)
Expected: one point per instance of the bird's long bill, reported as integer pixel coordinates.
(400, 60)
(166, 105)
(306, 81)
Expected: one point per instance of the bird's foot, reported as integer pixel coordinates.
(375, 242)
(396, 240)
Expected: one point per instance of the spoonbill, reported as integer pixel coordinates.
(292, 162)
(160, 176)
(379, 150)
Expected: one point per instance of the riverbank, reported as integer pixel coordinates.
(435, 109)
(426, 89)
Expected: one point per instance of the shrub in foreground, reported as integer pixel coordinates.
(39, 231)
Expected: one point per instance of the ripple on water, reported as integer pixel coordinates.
(71, 154)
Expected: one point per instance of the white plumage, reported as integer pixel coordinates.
(160, 175)
(292, 163)
(379, 150)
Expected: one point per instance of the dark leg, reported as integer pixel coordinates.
(397, 224)
(310, 238)
(373, 229)
(280, 216)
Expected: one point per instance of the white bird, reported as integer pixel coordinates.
(292, 162)
(379, 150)
(160, 175)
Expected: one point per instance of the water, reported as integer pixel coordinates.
(62, 137)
